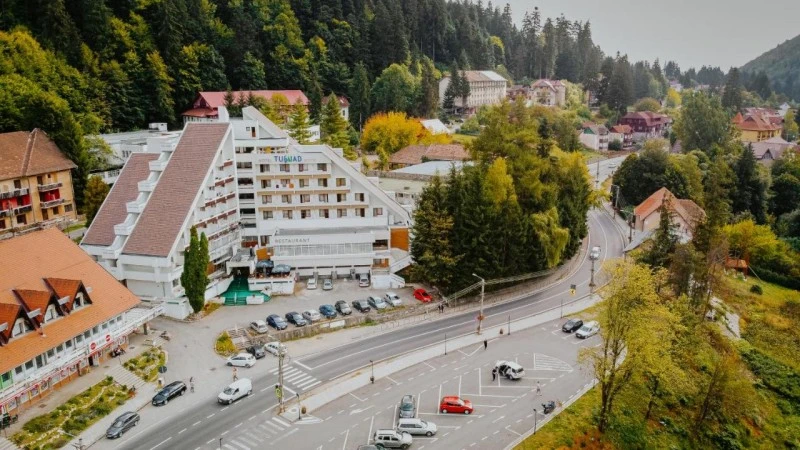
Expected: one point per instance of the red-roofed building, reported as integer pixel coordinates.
(646, 124)
(621, 133)
(755, 127)
(205, 106)
(686, 214)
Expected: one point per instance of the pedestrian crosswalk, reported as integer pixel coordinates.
(259, 436)
(544, 362)
(296, 378)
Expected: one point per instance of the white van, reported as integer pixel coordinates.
(416, 427)
(236, 390)
(509, 369)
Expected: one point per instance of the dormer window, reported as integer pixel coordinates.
(78, 301)
(50, 313)
(21, 326)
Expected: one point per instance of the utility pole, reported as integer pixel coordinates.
(591, 281)
(597, 176)
(483, 290)
(279, 387)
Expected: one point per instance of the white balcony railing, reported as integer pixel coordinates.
(146, 185)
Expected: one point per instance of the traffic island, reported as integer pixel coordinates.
(146, 365)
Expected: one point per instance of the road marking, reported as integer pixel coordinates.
(489, 406)
(509, 429)
(195, 424)
(498, 419)
(459, 367)
(292, 431)
(356, 411)
(432, 367)
(225, 432)
(487, 395)
(163, 442)
(240, 424)
(211, 440)
(346, 435)
(496, 431)
(265, 389)
(179, 432)
(419, 395)
(369, 435)
(302, 365)
(387, 388)
(480, 390)
(311, 385)
(459, 385)
(286, 424)
(356, 397)
(462, 352)
(393, 381)
(275, 370)
(394, 417)
(223, 409)
(210, 415)
(440, 397)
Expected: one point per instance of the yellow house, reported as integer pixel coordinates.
(754, 128)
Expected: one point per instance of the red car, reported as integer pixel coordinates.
(454, 404)
(422, 295)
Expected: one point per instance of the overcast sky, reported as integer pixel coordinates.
(721, 33)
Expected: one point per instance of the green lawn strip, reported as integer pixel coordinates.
(57, 428)
(146, 365)
(74, 227)
(562, 431)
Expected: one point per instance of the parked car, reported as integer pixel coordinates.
(327, 311)
(259, 326)
(123, 423)
(242, 360)
(389, 438)
(343, 308)
(377, 303)
(169, 392)
(572, 326)
(296, 318)
(417, 427)
(311, 284)
(393, 299)
(257, 351)
(509, 369)
(281, 270)
(455, 404)
(422, 295)
(408, 407)
(277, 322)
(361, 306)
(275, 348)
(588, 330)
(311, 316)
(363, 280)
(327, 284)
(236, 390)
(594, 253)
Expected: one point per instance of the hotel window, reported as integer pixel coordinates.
(87, 334)
(264, 184)
(79, 339)
(286, 199)
(324, 213)
(105, 325)
(78, 300)
(266, 199)
(22, 220)
(305, 213)
(287, 214)
(341, 182)
(45, 216)
(17, 184)
(21, 326)
(247, 196)
(361, 212)
(377, 212)
(55, 211)
(40, 180)
(285, 182)
(322, 182)
(341, 212)
(68, 344)
(303, 183)
(285, 168)
(2, 224)
(264, 240)
(322, 167)
(301, 167)
(341, 198)
(264, 168)
(305, 198)
(50, 313)
(29, 365)
(322, 197)
(359, 197)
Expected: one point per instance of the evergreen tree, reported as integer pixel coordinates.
(394, 90)
(665, 238)
(751, 190)
(159, 86)
(389, 44)
(251, 73)
(93, 197)
(194, 278)
(463, 88)
(732, 96)
(435, 260)
(231, 104)
(428, 102)
(334, 127)
(360, 96)
(453, 88)
(299, 124)
(620, 86)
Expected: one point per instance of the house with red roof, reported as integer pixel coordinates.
(757, 127)
(686, 214)
(646, 124)
(204, 108)
(549, 92)
(621, 133)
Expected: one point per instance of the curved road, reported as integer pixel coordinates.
(202, 423)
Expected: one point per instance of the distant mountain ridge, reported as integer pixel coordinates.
(782, 66)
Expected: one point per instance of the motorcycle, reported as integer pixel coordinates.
(548, 407)
(166, 336)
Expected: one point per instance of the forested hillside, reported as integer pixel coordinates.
(782, 66)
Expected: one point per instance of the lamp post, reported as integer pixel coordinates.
(483, 290)
(372, 371)
(299, 408)
(534, 420)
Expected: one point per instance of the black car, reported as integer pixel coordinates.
(343, 308)
(257, 351)
(277, 322)
(296, 318)
(572, 326)
(123, 423)
(327, 311)
(169, 392)
(361, 306)
(407, 408)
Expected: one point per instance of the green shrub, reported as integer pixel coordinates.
(756, 289)
(777, 377)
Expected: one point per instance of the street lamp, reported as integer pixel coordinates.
(299, 408)
(483, 290)
(372, 369)
(534, 420)
(593, 258)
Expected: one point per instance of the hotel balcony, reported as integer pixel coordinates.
(51, 203)
(22, 209)
(49, 186)
(135, 207)
(158, 165)
(15, 193)
(146, 185)
(124, 228)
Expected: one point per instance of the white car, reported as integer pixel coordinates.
(588, 330)
(327, 284)
(242, 360)
(595, 253)
(377, 302)
(509, 369)
(393, 299)
(275, 348)
(312, 283)
(259, 326)
(312, 315)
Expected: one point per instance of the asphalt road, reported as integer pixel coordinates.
(193, 421)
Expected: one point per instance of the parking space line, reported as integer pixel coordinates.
(498, 419)
(480, 390)
(393, 381)
(419, 395)
(490, 396)
(509, 429)
(459, 385)
(490, 406)
(346, 435)
(440, 397)
(369, 434)
(357, 398)
(432, 367)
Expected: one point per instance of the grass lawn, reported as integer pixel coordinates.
(146, 365)
(566, 428)
(74, 227)
(459, 138)
(53, 430)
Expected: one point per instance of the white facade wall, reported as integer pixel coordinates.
(480, 93)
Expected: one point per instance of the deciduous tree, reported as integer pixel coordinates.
(93, 197)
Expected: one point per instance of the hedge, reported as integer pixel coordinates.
(777, 278)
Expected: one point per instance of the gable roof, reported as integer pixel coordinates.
(64, 288)
(9, 312)
(776, 146)
(474, 76)
(413, 154)
(161, 222)
(50, 253)
(622, 129)
(114, 209)
(343, 102)
(435, 126)
(30, 153)
(593, 128)
(215, 99)
(687, 209)
(755, 122)
(651, 119)
(547, 84)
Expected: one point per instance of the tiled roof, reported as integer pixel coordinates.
(216, 99)
(687, 209)
(548, 84)
(776, 146)
(756, 123)
(622, 129)
(201, 112)
(35, 299)
(114, 209)
(163, 217)
(64, 288)
(413, 154)
(8, 315)
(50, 253)
(30, 153)
(651, 119)
(473, 76)
(595, 128)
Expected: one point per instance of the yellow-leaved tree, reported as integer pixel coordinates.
(386, 133)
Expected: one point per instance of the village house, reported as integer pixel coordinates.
(686, 214)
(549, 92)
(417, 154)
(593, 136)
(766, 152)
(621, 133)
(754, 127)
(206, 105)
(645, 124)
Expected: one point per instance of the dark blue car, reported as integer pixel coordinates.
(327, 311)
(277, 322)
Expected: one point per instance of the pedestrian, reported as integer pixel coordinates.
(191, 384)
(485, 344)
(538, 388)
(235, 374)
(494, 374)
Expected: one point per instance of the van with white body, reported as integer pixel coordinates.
(509, 369)
(236, 390)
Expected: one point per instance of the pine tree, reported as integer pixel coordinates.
(732, 97)
(251, 73)
(432, 251)
(359, 96)
(93, 197)
(665, 238)
(463, 88)
(194, 278)
(453, 88)
(429, 90)
(159, 87)
(333, 128)
(230, 103)
(751, 190)
(299, 124)
(620, 87)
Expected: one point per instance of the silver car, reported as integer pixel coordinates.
(259, 326)
(327, 284)
(588, 330)
(393, 299)
(312, 315)
(416, 427)
(377, 303)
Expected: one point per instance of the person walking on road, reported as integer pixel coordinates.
(494, 374)
(538, 388)
(191, 384)
(235, 374)
(485, 344)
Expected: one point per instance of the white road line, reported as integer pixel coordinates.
(509, 429)
(418, 404)
(292, 431)
(284, 423)
(239, 424)
(394, 417)
(210, 415)
(302, 365)
(306, 383)
(498, 419)
(288, 389)
(195, 424)
(369, 435)
(163, 442)
(432, 367)
(346, 435)
(356, 397)
(459, 385)
(440, 397)
(272, 425)
(489, 406)
(225, 432)
(459, 367)
(223, 409)
(480, 390)
(265, 389)
(275, 370)
(496, 431)
(312, 384)
(393, 381)
(490, 396)
(295, 377)
(460, 351)
(211, 440)
(179, 432)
